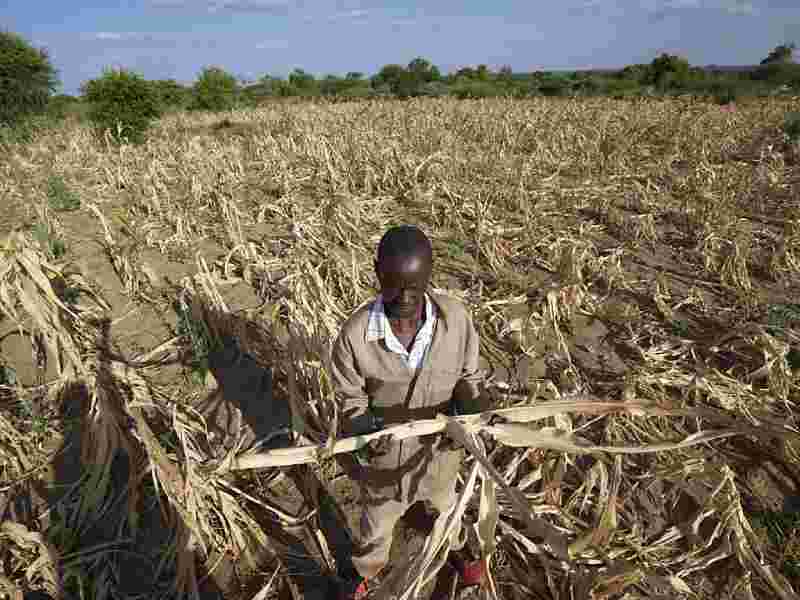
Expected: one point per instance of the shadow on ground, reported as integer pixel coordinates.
(98, 547)
(246, 386)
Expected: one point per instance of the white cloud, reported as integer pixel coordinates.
(107, 35)
(353, 16)
(659, 9)
(214, 6)
(272, 45)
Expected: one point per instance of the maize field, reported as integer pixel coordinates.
(167, 423)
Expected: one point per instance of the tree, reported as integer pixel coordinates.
(302, 83)
(638, 73)
(123, 103)
(388, 77)
(27, 78)
(782, 54)
(668, 70)
(423, 70)
(464, 73)
(215, 90)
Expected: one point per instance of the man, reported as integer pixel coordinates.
(407, 355)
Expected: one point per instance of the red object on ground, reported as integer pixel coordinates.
(472, 573)
(358, 594)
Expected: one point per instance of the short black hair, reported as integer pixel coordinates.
(404, 240)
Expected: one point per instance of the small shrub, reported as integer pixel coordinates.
(215, 90)
(782, 530)
(197, 340)
(60, 197)
(53, 246)
(433, 89)
(122, 102)
(476, 89)
(791, 126)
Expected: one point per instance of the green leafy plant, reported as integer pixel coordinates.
(51, 245)
(782, 530)
(780, 316)
(455, 248)
(215, 90)
(60, 197)
(196, 337)
(791, 126)
(122, 103)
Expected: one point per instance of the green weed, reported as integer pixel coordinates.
(60, 197)
(196, 336)
(791, 126)
(782, 530)
(456, 248)
(54, 247)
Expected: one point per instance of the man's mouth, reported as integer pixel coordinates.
(403, 309)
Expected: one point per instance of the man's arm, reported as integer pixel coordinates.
(349, 386)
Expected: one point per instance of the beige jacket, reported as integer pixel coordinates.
(371, 381)
(368, 375)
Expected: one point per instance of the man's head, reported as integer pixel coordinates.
(404, 265)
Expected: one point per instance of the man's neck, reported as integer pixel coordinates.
(407, 326)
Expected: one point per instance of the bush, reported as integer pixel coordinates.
(554, 88)
(215, 90)
(121, 102)
(477, 89)
(791, 126)
(171, 94)
(28, 79)
(622, 87)
(778, 74)
(26, 130)
(434, 89)
(62, 106)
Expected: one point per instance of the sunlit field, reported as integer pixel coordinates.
(633, 268)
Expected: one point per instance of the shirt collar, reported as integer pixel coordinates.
(377, 322)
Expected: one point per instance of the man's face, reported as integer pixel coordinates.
(403, 283)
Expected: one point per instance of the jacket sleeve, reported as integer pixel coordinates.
(349, 387)
(470, 394)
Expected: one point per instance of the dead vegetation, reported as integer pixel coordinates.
(633, 268)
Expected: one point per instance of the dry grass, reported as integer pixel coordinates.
(675, 224)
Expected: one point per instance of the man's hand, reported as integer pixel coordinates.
(375, 449)
(381, 446)
(470, 398)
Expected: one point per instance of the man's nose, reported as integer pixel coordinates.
(406, 296)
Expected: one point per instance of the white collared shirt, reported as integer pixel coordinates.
(379, 328)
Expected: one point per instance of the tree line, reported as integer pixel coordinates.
(121, 97)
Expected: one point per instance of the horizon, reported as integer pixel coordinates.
(176, 39)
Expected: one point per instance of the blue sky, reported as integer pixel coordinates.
(177, 38)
